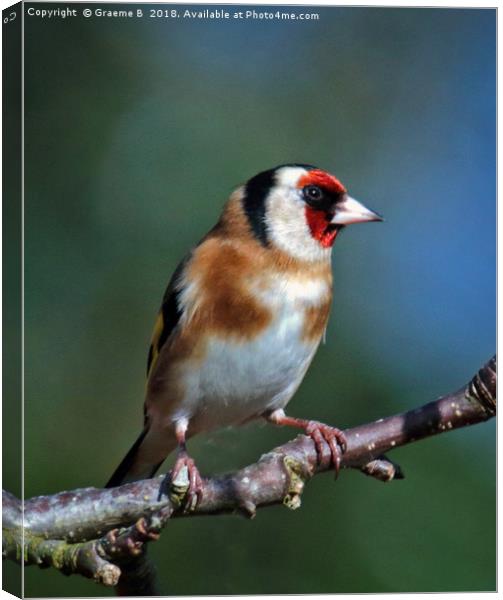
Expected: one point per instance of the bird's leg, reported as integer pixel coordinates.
(318, 432)
(195, 490)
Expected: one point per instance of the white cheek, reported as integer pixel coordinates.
(288, 228)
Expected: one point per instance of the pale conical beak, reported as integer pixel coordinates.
(351, 211)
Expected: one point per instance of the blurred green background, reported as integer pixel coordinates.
(136, 132)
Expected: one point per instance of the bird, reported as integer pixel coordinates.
(242, 318)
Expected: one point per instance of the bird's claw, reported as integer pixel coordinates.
(335, 438)
(194, 491)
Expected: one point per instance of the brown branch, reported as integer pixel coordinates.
(98, 532)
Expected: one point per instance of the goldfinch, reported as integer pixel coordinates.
(242, 318)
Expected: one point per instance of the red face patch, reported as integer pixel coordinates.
(321, 229)
(322, 179)
(319, 220)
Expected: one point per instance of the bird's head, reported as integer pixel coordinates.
(300, 209)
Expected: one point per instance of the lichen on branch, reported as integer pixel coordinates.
(102, 533)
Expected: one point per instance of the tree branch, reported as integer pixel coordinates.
(102, 533)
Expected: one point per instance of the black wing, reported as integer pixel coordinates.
(168, 316)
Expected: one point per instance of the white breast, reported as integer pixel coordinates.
(293, 292)
(240, 380)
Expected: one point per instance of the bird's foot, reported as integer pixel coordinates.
(335, 438)
(194, 491)
(318, 432)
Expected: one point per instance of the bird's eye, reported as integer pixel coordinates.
(312, 193)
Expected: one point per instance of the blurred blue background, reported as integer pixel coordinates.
(136, 132)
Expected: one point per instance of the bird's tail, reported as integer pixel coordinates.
(144, 458)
